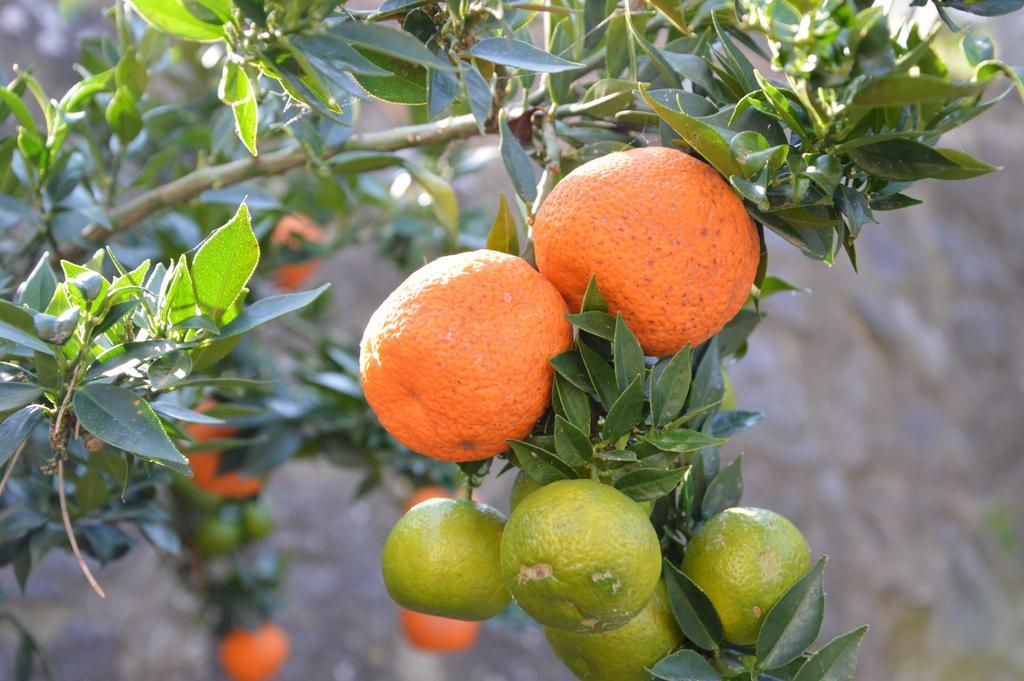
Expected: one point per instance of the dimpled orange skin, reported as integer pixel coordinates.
(455, 361)
(672, 246)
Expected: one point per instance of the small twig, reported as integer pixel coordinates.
(71, 534)
(10, 466)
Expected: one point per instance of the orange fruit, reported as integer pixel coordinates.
(254, 655)
(455, 361)
(426, 493)
(292, 232)
(671, 245)
(206, 464)
(438, 634)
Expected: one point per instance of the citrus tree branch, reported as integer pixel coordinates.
(278, 162)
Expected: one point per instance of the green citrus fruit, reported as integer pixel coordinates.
(623, 654)
(729, 396)
(745, 559)
(257, 522)
(523, 487)
(580, 556)
(442, 558)
(217, 537)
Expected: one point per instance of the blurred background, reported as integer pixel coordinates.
(894, 402)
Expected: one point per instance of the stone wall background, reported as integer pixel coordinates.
(893, 400)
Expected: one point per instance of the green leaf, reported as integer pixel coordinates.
(628, 357)
(478, 92)
(607, 97)
(570, 366)
(573, 403)
(725, 490)
(404, 82)
(167, 370)
(178, 299)
(704, 139)
(224, 263)
(389, 41)
(601, 324)
(601, 374)
(520, 167)
(237, 91)
(571, 443)
(966, 166)
(444, 201)
(899, 89)
(123, 116)
(593, 300)
(670, 384)
(40, 285)
(708, 386)
(171, 17)
(685, 665)
(683, 440)
(119, 358)
(17, 428)
(267, 309)
(504, 235)
(792, 625)
(16, 395)
(521, 55)
(622, 455)
(625, 412)
(735, 62)
(727, 423)
(693, 609)
(649, 483)
(91, 491)
(616, 57)
(540, 464)
(837, 661)
(901, 159)
(124, 420)
(854, 207)
(333, 58)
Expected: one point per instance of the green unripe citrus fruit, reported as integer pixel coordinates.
(745, 559)
(580, 556)
(217, 537)
(623, 654)
(442, 558)
(257, 522)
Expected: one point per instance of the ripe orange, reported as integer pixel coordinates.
(455, 361)
(206, 464)
(671, 245)
(291, 232)
(426, 493)
(438, 634)
(254, 655)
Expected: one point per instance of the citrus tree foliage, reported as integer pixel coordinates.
(114, 323)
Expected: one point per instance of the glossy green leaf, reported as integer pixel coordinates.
(649, 483)
(123, 116)
(573, 404)
(628, 357)
(172, 17)
(521, 55)
(684, 665)
(478, 92)
(725, 490)
(683, 440)
(704, 139)
(837, 661)
(267, 309)
(593, 300)
(39, 286)
(124, 420)
(224, 263)
(389, 41)
(601, 324)
(792, 625)
(601, 374)
(571, 443)
(17, 428)
(625, 412)
(692, 608)
(900, 89)
(569, 365)
(16, 395)
(670, 386)
(901, 159)
(540, 464)
(521, 169)
(504, 235)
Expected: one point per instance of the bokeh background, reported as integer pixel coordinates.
(894, 403)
